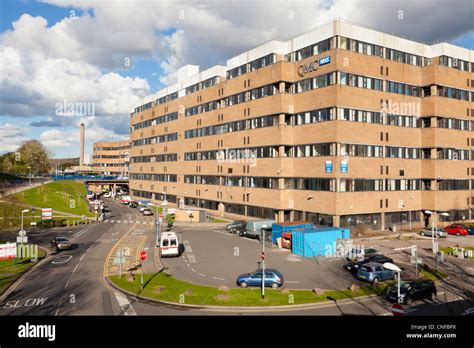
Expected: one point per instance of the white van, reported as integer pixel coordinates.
(169, 244)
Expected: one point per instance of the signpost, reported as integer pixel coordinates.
(397, 269)
(143, 256)
(397, 309)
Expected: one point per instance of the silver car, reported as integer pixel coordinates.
(439, 231)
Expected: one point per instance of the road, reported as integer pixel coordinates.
(72, 283)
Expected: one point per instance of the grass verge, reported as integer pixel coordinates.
(10, 271)
(63, 196)
(453, 251)
(162, 286)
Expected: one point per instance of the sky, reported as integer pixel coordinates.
(63, 62)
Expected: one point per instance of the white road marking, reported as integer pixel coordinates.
(124, 304)
(202, 275)
(118, 221)
(82, 257)
(82, 231)
(61, 259)
(65, 286)
(217, 278)
(192, 269)
(74, 270)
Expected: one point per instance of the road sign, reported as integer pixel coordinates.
(22, 240)
(33, 223)
(143, 255)
(160, 219)
(46, 213)
(22, 233)
(397, 309)
(418, 260)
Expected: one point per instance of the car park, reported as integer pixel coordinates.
(359, 253)
(353, 265)
(273, 279)
(61, 243)
(457, 229)
(374, 272)
(410, 291)
(429, 232)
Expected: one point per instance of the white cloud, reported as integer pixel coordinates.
(12, 136)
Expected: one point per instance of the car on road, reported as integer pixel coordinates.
(410, 291)
(125, 200)
(147, 212)
(353, 265)
(374, 272)
(61, 243)
(429, 233)
(359, 253)
(235, 224)
(133, 204)
(457, 229)
(169, 244)
(273, 279)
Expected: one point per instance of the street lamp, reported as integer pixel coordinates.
(434, 229)
(397, 269)
(411, 198)
(22, 212)
(264, 227)
(29, 176)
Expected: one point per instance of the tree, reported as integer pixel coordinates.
(34, 154)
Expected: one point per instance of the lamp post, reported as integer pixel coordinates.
(395, 268)
(264, 227)
(411, 198)
(22, 212)
(434, 229)
(29, 176)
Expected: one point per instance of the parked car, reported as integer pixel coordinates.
(61, 243)
(273, 278)
(357, 253)
(234, 224)
(353, 265)
(133, 204)
(457, 229)
(470, 230)
(419, 289)
(147, 212)
(374, 272)
(142, 207)
(440, 232)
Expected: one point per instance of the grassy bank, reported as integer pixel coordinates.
(10, 271)
(449, 250)
(162, 286)
(64, 196)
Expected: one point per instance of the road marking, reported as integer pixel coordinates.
(124, 304)
(187, 264)
(65, 286)
(61, 259)
(82, 257)
(131, 221)
(292, 281)
(202, 275)
(82, 231)
(217, 278)
(74, 270)
(192, 269)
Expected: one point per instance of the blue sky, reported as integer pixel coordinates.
(82, 59)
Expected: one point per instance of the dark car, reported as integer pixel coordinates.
(360, 254)
(133, 204)
(457, 230)
(273, 278)
(353, 265)
(410, 291)
(235, 225)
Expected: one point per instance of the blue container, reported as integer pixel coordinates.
(317, 241)
(279, 228)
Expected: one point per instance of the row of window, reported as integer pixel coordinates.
(110, 156)
(170, 157)
(236, 126)
(156, 140)
(122, 164)
(314, 83)
(456, 63)
(154, 177)
(253, 65)
(125, 147)
(454, 93)
(238, 98)
(402, 88)
(325, 149)
(453, 123)
(353, 80)
(311, 50)
(202, 85)
(157, 120)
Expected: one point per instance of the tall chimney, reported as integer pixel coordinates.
(81, 154)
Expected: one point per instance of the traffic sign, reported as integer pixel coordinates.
(22, 233)
(397, 309)
(143, 255)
